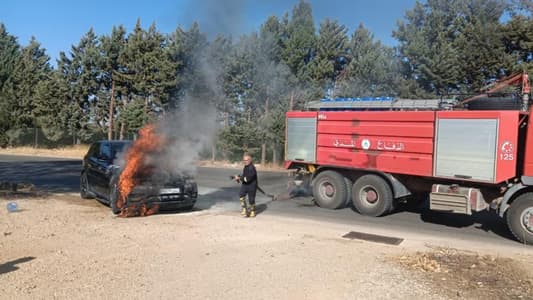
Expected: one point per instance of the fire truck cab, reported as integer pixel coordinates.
(464, 156)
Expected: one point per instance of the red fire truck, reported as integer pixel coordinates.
(467, 156)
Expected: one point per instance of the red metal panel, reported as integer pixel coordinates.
(507, 146)
(385, 161)
(390, 116)
(381, 128)
(301, 114)
(377, 143)
(393, 142)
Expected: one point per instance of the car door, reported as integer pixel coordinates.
(103, 163)
(107, 156)
(90, 166)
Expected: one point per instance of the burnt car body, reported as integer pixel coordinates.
(100, 174)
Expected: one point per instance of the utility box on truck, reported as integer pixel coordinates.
(462, 160)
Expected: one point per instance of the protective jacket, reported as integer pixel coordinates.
(249, 175)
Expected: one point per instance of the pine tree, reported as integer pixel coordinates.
(148, 72)
(110, 50)
(331, 54)
(298, 46)
(9, 55)
(373, 70)
(450, 46)
(52, 107)
(518, 41)
(84, 72)
(21, 87)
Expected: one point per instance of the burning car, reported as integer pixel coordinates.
(149, 186)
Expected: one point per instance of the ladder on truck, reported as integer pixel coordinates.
(379, 103)
(491, 93)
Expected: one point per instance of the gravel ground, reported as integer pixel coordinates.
(62, 247)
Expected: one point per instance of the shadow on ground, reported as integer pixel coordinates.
(11, 266)
(54, 176)
(484, 220)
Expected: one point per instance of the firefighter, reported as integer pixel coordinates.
(248, 181)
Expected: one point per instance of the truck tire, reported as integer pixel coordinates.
(329, 190)
(372, 195)
(520, 218)
(349, 185)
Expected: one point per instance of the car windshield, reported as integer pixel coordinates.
(118, 148)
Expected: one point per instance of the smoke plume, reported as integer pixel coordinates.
(218, 17)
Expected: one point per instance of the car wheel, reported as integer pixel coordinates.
(84, 186)
(372, 195)
(329, 190)
(113, 198)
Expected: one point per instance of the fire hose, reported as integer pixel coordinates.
(273, 197)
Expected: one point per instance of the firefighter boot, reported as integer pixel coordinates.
(252, 211)
(244, 212)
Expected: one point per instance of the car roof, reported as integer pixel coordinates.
(115, 141)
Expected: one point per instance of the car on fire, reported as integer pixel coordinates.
(101, 169)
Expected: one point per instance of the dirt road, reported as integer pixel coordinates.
(63, 247)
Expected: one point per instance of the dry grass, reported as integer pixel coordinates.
(461, 274)
(77, 151)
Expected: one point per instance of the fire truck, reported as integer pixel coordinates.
(464, 156)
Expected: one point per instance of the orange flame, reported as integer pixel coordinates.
(149, 142)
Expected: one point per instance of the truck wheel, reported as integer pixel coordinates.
(329, 190)
(349, 185)
(372, 195)
(84, 186)
(520, 218)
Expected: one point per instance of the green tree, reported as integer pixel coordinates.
(331, 54)
(52, 106)
(9, 55)
(480, 44)
(452, 46)
(81, 71)
(187, 49)
(148, 70)
(21, 87)
(298, 45)
(518, 41)
(110, 49)
(373, 69)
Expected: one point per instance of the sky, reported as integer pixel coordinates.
(59, 24)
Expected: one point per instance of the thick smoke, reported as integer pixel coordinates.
(188, 132)
(192, 128)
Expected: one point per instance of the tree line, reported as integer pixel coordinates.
(112, 84)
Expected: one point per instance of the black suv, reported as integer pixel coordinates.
(99, 179)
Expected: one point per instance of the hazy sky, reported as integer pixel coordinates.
(58, 24)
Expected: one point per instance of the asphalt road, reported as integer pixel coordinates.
(217, 191)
